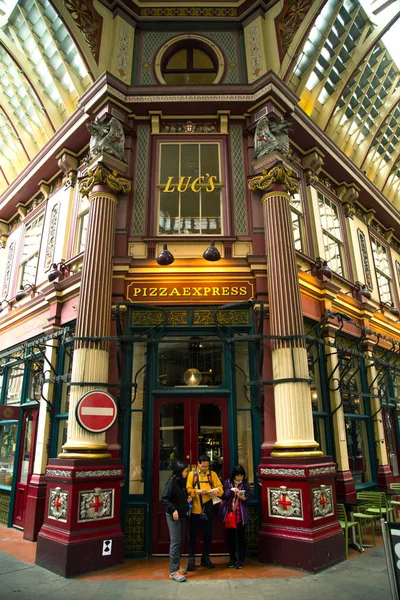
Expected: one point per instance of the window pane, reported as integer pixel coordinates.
(242, 374)
(319, 432)
(62, 434)
(178, 60)
(245, 443)
(357, 446)
(205, 355)
(66, 389)
(30, 252)
(201, 60)
(329, 214)
(14, 385)
(209, 436)
(8, 436)
(136, 482)
(172, 432)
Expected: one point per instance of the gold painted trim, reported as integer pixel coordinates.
(84, 455)
(296, 454)
(298, 444)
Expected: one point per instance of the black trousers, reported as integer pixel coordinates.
(195, 525)
(238, 535)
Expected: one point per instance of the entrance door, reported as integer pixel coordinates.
(25, 466)
(183, 430)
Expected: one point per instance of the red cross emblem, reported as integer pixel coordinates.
(96, 504)
(284, 502)
(57, 503)
(323, 500)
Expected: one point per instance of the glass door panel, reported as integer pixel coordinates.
(25, 469)
(183, 430)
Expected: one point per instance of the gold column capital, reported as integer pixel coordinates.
(100, 174)
(279, 174)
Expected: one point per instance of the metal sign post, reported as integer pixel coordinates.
(391, 544)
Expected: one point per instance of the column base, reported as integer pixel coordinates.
(79, 554)
(311, 555)
(35, 505)
(385, 477)
(300, 528)
(345, 488)
(81, 530)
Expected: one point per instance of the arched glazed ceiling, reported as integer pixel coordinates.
(334, 59)
(349, 83)
(42, 76)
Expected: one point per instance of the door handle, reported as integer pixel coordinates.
(187, 455)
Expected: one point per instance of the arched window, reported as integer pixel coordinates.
(189, 60)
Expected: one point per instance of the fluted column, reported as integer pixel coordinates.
(293, 411)
(90, 362)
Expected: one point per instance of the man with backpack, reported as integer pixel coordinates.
(202, 485)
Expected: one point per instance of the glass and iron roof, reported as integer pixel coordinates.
(347, 76)
(42, 76)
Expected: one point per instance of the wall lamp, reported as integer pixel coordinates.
(391, 308)
(57, 269)
(320, 269)
(23, 291)
(165, 257)
(1, 304)
(361, 292)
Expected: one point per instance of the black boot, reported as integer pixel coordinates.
(191, 566)
(206, 562)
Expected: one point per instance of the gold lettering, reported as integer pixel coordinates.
(242, 291)
(181, 183)
(153, 291)
(136, 291)
(163, 292)
(193, 186)
(186, 291)
(211, 183)
(225, 291)
(196, 291)
(206, 291)
(234, 290)
(144, 291)
(167, 187)
(175, 292)
(215, 291)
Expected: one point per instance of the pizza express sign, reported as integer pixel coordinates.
(190, 291)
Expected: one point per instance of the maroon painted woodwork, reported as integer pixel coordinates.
(35, 505)
(345, 488)
(25, 465)
(299, 522)
(70, 542)
(385, 477)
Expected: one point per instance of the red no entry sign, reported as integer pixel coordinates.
(96, 411)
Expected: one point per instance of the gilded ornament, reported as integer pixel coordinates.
(311, 177)
(278, 174)
(101, 175)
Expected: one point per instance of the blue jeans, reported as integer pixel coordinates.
(177, 536)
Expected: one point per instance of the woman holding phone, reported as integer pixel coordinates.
(236, 495)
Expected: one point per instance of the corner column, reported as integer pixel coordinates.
(82, 530)
(299, 528)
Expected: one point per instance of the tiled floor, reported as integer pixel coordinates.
(157, 568)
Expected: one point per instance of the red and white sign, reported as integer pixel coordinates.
(96, 411)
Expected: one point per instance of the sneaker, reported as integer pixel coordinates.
(239, 564)
(183, 571)
(191, 565)
(206, 562)
(231, 564)
(178, 576)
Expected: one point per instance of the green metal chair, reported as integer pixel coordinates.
(394, 503)
(346, 525)
(364, 518)
(378, 504)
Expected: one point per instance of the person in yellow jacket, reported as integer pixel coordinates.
(202, 484)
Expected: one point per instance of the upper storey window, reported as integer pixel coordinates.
(189, 189)
(297, 221)
(30, 253)
(382, 269)
(333, 243)
(189, 59)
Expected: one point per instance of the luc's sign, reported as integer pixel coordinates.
(206, 182)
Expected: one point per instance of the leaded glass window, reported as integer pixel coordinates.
(382, 270)
(30, 253)
(331, 231)
(190, 190)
